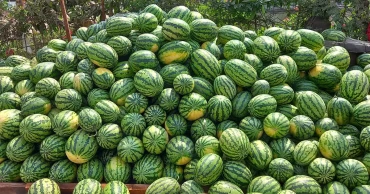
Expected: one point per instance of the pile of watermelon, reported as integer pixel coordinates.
(174, 101)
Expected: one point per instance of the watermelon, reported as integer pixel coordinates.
(240, 72)
(273, 32)
(361, 189)
(354, 86)
(44, 185)
(66, 61)
(34, 168)
(237, 149)
(363, 59)
(280, 169)
(9, 171)
(154, 115)
(325, 76)
(15, 60)
(109, 136)
(46, 54)
(300, 183)
(115, 187)
(6, 84)
(3, 145)
(276, 125)
(130, 149)
(360, 112)
(18, 149)
(83, 83)
(89, 120)
(325, 124)
(333, 145)
(95, 95)
(333, 35)
(234, 49)
(146, 22)
(173, 171)
(119, 26)
(9, 123)
(102, 36)
(352, 173)
(203, 87)
(81, 33)
(305, 58)
(189, 170)
(355, 148)
(191, 186)
(122, 70)
(262, 105)
(108, 111)
(205, 175)
(66, 80)
(142, 59)
(288, 110)
(175, 125)
(136, 103)
(103, 78)
(87, 186)
(180, 150)
(35, 128)
(133, 124)
(68, 99)
(148, 82)
(207, 144)
(175, 29)
(322, 170)
(47, 87)
(202, 127)
(121, 45)
(260, 155)
(52, 148)
(334, 187)
(102, 55)
(43, 70)
(155, 10)
(264, 184)
(321, 53)
(63, 171)
(192, 106)
(174, 52)
(157, 186)
(203, 30)
(65, 123)
(171, 71)
(237, 173)
(148, 42)
(81, 147)
(93, 169)
(10, 100)
(21, 72)
(36, 105)
(311, 39)
(204, 64)
(183, 84)
(229, 32)
(266, 48)
(155, 139)
(340, 110)
(180, 12)
(305, 85)
(260, 87)
(148, 169)
(302, 127)
(240, 104)
(275, 74)
(288, 40)
(282, 93)
(310, 104)
(225, 186)
(255, 62)
(252, 127)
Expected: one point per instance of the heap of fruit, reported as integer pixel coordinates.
(172, 100)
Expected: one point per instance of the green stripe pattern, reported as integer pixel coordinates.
(146, 22)
(352, 173)
(103, 78)
(174, 52)
(289, 41)
(87, 186)
(9, 124)
(237, 173)
(224, 85)
(155, 139)
(262, 105)
(83, 83)
(340, 110)
(65, 123)
(109, 136)
(240, 104)
(208, 169)
(305, 58)
(102, 55)
(52, 148)
(282, 93)
(325, 76)
(117, 170)
(119, 26)
(234, 49)
(35, 128)
(148, 82)
(260, 87)
(36, 105)
(171, 71)
(15, 60)
(206, 145)
(66, 80)
(9, 171)
(180, 150)
(148, 42)
(121, 89)
(275, 74)
(18, 149)
(204, 64)
(6, 84)
(157, 186)
(175, 125)
(47, 87)
(203, 30)
(202, 127)
(305, 152)
(361, 114)
(68, 99)
(225, 187)
(130, 149)
(133, 124)
(175, 29)
(66, 61)
(252, 127)
(148, 169)
(20, 72)
(63, 171)
(93, 169)
(333, 145)
(266, 48)
(276, 125)
(310, 104)
(44, 185)
(219, 108)
(136, 103)
(300, 183)
(240, 72)
(108, 111)
(260, 155)
(280, 169)
(81, 33)
(302, 127)
(191, 186)
(114, 187)
(34, 168)
(96, 95)
(322, 170)
(142, 59)
(81, 147)
(311, 39)
(229, 32)
(43, 70)
(46, 54)
(291, 67)
(264, 184)
(203, 87)
(23, 87)
(89, 120)
(354, 86)
(180, 12)
(234, 144)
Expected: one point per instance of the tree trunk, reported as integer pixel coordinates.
(103, 15)
(65, 19)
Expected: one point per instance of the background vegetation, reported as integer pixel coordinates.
(40, 20)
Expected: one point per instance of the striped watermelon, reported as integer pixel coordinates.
(325, 76)
(192, 106)
(273, 32)
(63, 171)
(240, 104)
(93, 29)
(280, 169)
(3, 145)
(302, 184)
(289, 41)
(52, 148)
(202, 127)
(21, 72)
(121, 45)
(122, 70)
(155, 10)
(355, 148)
(9, 123)
(171, 71)
(83, 83)
(224, 186)
(142, 59)
(103, 78)
(175, 125)
(65, 123)
(305, 58)
(119, 26)
(360, 114)
(43, 70)
(81, 147)
(93, 169)
(354, 86)
(47, 87)
(15, 60)
(260, 87)
(302, 127)
(183, 84)
(66, 80)
(121, 89)
(173, 171)
(237, 173)
(234, 49)
(102, 55)
(352, 173)
(114, 187)
(255, 62)
(18, 149)
(276, 125)
(325, 124)
(361, 189)
(334, 187)
(250, 34)
(6, 84)
(305, 152)
(340, 59)
(102, 36)
(130, 149)
(262, 105)
(283, 94)
(195, 15)
(148, 42)
(275, 74)
(95, 95)
(333, 35)
(180, 12)
(288, 110)
(365, 138)
(266, 48)
(146, 22)
(189, 170)
(174, 52)
(89, 120)
(229, 32)
(148, 169)
(9, 171)
(311, 39)
(248, 43)
(155, 139)
(175, 29)
(252, 127)
(34, 168)
(66, 61)
(206, 145)
(36, 105)
(191, 186)
(109, 136)
(240, 72)
(168, 100)
(310, 104)
(224, 85)
(133, 124)
(260, 155)
(333, 145)
(237, 149)
(85, 66)
(321, 53)
(203, 87)
(204, 175)
(264, 184)
(363, 59)
(35, 128)
(322, 170)
(136, 103)
(172, 186)
(148, 82)
(203, 30)
(180, 150)
(107, 110)
(46, 54)
(87, 186)
(10, 100)
(81, 33)
(44, 185)
(68, 99)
